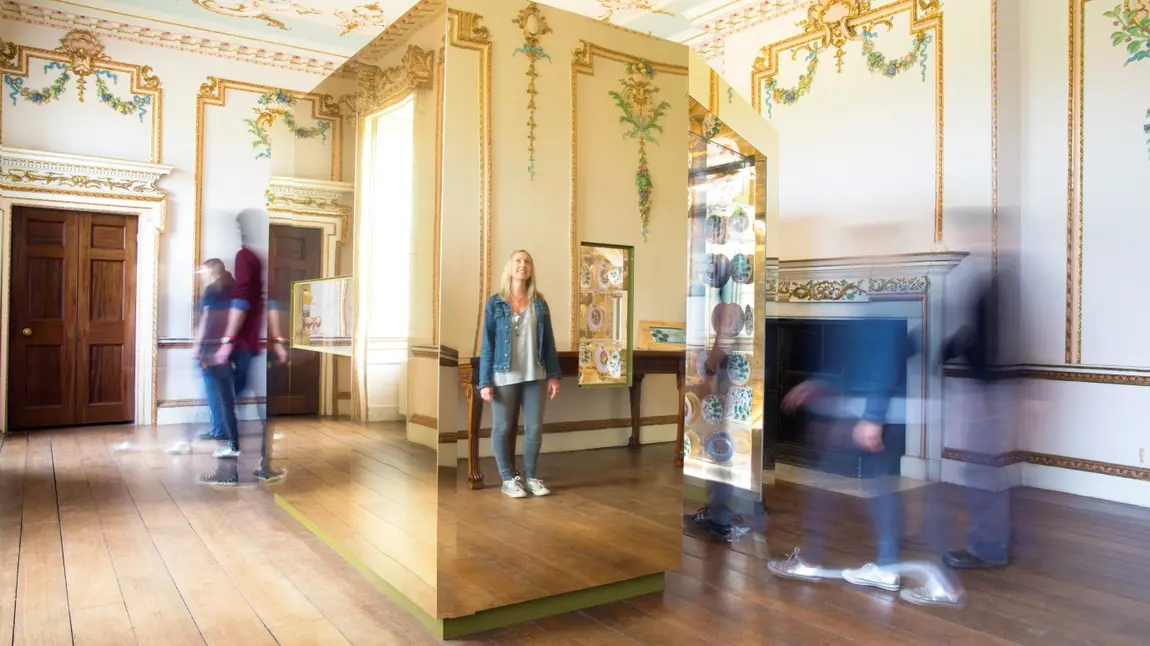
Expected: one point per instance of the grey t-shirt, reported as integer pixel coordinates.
(524, 350)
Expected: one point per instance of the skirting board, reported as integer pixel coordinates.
(518, 613)
(1083, 483)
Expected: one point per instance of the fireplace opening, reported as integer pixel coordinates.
(850, 356)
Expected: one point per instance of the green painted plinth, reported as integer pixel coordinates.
(517, 613)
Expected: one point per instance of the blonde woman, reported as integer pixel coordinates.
(518, 366)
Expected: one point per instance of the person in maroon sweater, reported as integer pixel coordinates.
(239, 349)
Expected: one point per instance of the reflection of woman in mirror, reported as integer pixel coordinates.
(213, 319)
(518, 366)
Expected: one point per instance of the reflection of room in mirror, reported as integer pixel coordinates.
(605, 322)
(322, 318)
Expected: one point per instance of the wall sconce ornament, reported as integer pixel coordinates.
(84, 53)
(534, 26)
(1133, 22)
(637, 102)
(272, 106)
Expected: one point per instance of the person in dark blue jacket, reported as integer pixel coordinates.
(518, 366)
(876, 358)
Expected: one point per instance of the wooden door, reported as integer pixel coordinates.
(294, 254)
(72, 327)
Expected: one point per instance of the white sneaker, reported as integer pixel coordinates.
(514, 488)
(182, 446)
(536, 487)
(226, 452)
(873, 576)
(794, 567)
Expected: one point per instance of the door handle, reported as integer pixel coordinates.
(27, 331)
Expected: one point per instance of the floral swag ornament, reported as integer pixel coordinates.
(1133, 23)
(642, 114)
(84, 52)
(274, 105)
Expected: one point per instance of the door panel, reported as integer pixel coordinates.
(106, 351)
(42, 363)
(294, 254)
(72, 332)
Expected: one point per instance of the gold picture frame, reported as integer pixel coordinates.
(653, 333)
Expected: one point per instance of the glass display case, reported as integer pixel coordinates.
(322, 315)
(605, 326)
(727, 218)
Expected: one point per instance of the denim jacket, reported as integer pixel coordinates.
(495, 355)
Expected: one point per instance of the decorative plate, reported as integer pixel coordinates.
(749, 320)
(739, 222)
(584, 355)
(716, 229)
(602, 274)
(692, 445)
(712, 409)
(602, 359)
(615, 276)
(585, 277)
(739, 369)
(743, 268)
(742, 441)
(615, 364)
(691, 409)
(717, 271)
(720, 447)
(727, 319)
(595, 318)
(739, 405)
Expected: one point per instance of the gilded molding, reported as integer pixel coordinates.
(533, 25)
(399, 32)
(214, 92)
(583, 60)
(849, 21)
(612, 6)
(81, 54)
(350, 19)
(1048, 460)
(379, 89)
(465, 30)
(39, 172)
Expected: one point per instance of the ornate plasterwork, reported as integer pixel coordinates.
(311, 199)
(39, 172)
(350, 19)
(380, 87)
(226, 47)
(644, 6)
(534, 27)
(857, 280)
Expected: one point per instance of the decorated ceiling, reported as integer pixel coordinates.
(341, 27)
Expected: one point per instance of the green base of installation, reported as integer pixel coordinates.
(517, 613)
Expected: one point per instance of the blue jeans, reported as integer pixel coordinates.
(885, 509)
(505, 403)
(232, 380)
(215, 403)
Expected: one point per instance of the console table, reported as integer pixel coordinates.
(644, 362)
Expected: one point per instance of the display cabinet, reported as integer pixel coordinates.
(606, 287)
(321, 315)
(724, 398)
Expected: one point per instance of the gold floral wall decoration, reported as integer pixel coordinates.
(642, 114)
(534, 26)
(612, 6)
(1131, 20)
(79, 56)
(275, 105)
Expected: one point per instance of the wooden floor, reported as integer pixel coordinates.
(103, 547)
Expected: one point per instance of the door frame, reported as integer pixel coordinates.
(67, 182)
(315, 204)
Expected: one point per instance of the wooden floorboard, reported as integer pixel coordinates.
(99, 546)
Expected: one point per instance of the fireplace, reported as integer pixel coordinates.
(844, 355)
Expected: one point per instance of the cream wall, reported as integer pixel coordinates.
(234, 178)
(536, 214)
(1009, 176)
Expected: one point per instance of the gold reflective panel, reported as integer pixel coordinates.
(468, 476)
(321, 315)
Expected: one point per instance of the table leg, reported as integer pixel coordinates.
(636, 414)
(474, 415)
(681, 382)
